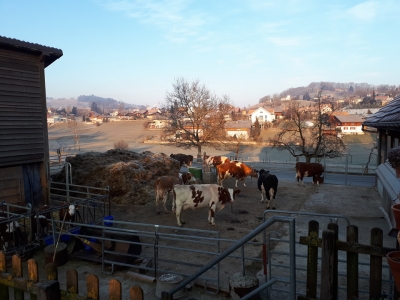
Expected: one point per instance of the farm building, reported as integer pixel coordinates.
(386, 122)
(23, 121)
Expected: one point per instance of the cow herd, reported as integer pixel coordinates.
(188, 194)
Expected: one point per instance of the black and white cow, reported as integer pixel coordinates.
(267, 183)
(197, 196)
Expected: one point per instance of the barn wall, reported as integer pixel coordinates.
(21, 110)
(12, 185)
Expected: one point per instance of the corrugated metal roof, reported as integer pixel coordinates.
(388, 117)
(51, 54)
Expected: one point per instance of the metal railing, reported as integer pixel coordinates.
(168, 295)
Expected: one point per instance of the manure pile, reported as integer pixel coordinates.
(129, 175)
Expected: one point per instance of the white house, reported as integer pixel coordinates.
(240, 129)
(263, 116)
(349, 124)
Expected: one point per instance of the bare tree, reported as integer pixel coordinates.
(196, 116)
(236, 144)
(304, 134)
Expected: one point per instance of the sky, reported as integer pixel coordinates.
(133, 50)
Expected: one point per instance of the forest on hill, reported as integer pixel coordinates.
(337, 89)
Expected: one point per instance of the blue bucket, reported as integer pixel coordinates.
(108, 218)
(87, 247)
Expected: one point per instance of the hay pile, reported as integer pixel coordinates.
(129, 175)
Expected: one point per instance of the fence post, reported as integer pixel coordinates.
(49, 290)
(92, 282)
(335, 228)
(3, 268)
(33, 274)
(375, 271)
(51, 272)
(17, 272)
(312, 261)
(352, 264)
(136, 293)
(327, 261)
(114, 290)
(72, 281)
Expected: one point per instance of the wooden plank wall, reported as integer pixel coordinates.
(21, 111)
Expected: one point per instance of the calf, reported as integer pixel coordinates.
(10, 233)
(187, 178)
(268, 184)
(235, 169)
(304, 169)
(197, 196)
(67, 212)
(40, 222)
(163, 186)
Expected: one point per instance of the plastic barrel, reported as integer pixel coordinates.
(197, 173)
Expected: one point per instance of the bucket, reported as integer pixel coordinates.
(197, 173)
(108, 218)
(167, 282)
(87, 247)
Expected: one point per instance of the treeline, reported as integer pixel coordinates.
(108, 103)
(341, 89)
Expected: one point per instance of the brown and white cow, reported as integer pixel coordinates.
(215, 160)
(183, 159)
(197, 196)
(235, 169)
(304, 169)
(163, 186)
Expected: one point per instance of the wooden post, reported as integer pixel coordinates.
(51, 272)
(92, 282)
(375, 271)
(17, 272)
(312, 261)
(49, 290)
(3, 269)
(328, 250)
(352, 264)
(33, 273)
(72, 282)
(114, 290)
(335, 228)
(136, 293)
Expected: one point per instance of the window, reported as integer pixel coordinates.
(352, 128)
(345, 128)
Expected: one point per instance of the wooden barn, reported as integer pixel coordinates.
(386, 122)
(24, 152)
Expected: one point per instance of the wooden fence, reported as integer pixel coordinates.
(50, 289)
(329, 262)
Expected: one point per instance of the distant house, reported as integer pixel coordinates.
(263, 115)
(278, 112)
(349, 124)
(238, 129)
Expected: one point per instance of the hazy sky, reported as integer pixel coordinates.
(133, 50)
